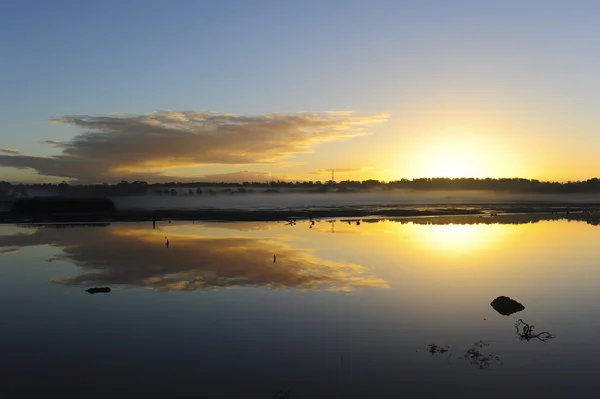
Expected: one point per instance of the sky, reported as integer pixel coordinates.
(104, 91)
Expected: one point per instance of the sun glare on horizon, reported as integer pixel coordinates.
(454, 154)
(448, 166)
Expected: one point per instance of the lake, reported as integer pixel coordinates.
(338, 309)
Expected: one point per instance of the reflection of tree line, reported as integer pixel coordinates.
(593, 219)
(434, 221)
(576, 216)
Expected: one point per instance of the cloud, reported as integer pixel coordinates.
(135, 256)
(10, 150)
(144, 147)
(9, 251)
(53, 142)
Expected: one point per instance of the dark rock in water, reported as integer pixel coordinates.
(506, 306)
(96, 290)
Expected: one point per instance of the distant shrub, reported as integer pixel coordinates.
(39, 205)
(320, 189)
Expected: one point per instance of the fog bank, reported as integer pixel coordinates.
(285, 200)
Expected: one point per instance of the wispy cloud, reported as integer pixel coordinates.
(10, 150)
(9, 251)
(53, 142)
(146, 146)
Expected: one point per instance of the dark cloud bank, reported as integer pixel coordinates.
(145, 147)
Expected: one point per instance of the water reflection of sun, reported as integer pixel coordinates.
(456, 239)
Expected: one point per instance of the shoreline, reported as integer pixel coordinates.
(589, 211)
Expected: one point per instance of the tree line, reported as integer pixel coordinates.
(124, 188)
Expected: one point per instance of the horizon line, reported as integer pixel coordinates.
(379, 181)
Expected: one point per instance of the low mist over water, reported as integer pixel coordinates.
(289, 199)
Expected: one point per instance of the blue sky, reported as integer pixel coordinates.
(466, 71)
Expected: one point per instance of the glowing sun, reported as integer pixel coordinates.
(451, 167)
(455, 156)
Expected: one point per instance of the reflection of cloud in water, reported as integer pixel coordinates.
(9, 251)
(131, 256)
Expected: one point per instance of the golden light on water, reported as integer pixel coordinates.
(452, 239)
(457, 238)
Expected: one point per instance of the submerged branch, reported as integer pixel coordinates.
(525, 332)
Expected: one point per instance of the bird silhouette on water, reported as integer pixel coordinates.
(274, 258)
(167, 242)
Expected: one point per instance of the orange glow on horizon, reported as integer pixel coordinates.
(467, 151)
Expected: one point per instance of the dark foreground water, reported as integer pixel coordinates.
(372, 310)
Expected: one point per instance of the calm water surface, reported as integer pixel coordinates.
(345, 311)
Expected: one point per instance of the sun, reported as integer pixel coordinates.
(452, 161)
(443, 166)
(453, 155)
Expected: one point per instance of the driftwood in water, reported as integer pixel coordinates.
(525, 332)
